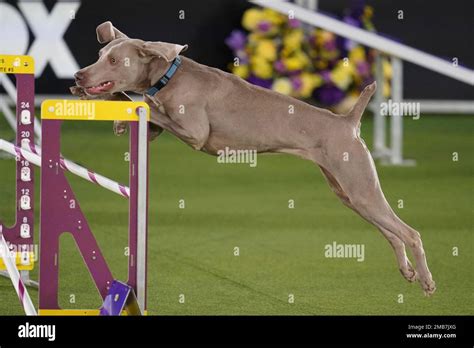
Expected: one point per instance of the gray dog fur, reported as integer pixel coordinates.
(222, 110)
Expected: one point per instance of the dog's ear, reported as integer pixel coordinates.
(166, 50)
(106, 32)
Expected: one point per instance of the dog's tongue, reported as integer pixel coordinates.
(103, 87)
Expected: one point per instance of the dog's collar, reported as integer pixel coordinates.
(166, 77)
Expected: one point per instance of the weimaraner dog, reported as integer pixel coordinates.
(209, 110)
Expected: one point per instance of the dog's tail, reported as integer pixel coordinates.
(358, 109)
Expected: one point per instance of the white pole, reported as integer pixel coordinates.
(312, 5)
(396, 124)
(72, 167)
(380, 149)
(373, 40)
(444, 106)
(142, 207)
(20, 288)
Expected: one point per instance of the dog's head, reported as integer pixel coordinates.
(125, 64)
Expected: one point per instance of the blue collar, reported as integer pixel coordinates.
(166, 77)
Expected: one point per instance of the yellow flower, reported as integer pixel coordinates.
(329, 55)
(266, 49)
(261, 67)
(323, 36)
(327, 36)
(255, 38)
(387, 69)
(283, 86)
(293, 40)
(386, 89)
(309, 83)
(297, 61)
(241, 71)
(357, 79)
(321, 64)
(368, 12)
(341, 76)
(251, 18)
(357, 54)
(273, 16)
(347, 65)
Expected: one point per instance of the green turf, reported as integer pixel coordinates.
(191, 250)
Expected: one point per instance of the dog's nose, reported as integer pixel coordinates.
(79, 75)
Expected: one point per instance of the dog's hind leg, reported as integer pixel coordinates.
(404, 265)
(350, 163)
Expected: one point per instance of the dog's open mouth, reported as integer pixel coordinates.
(101, 88)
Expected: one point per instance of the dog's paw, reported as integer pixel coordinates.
(428, 286)
(153, 131)
(77, 91)
(409, 272)
(81, 93)
(120, 127)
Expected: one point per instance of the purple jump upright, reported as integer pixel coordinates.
(61, 211)
(20, 235)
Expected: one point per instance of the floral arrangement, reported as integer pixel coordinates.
(279, 53)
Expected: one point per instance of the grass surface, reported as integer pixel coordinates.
(191, 250)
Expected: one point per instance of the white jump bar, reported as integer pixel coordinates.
(373, 40)
(72, 167)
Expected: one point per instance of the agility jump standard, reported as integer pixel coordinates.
(61, 212)
(17, 263)
(20, 261)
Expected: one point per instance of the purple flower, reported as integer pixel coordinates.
(264, 26)
(357, 8)
(279, 66)
(330, 45)
(351, 21)
(326, 75)
(312, 39)
(349, 45)
(294, 73)
(294, 23)
(342, 44)
(254, 80)
(363, 68)
(296, 82)
(328, 95)
(236, 40)
(243, 57)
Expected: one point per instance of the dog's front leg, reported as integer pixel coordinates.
(120, 127)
